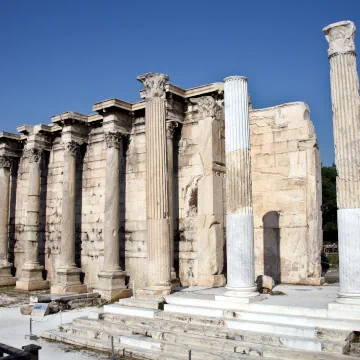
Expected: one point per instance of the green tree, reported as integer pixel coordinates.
(329, 208)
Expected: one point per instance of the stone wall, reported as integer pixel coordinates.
(286, 198)
(286, 177)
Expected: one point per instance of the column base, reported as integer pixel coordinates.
(6, 279)
(241, 295)
(31, 278)
(111, 285)
(68, 280)
(345, 307)
(212, 281)
(156, 293)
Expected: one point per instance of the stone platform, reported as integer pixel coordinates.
(192, 324)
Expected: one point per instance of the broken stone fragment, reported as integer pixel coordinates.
(26, 309)
(265, 283)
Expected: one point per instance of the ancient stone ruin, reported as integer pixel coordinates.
(111, 201)
(193, 188)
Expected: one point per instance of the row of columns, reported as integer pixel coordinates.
(159, 190)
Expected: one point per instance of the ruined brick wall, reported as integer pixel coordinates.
(286, 179)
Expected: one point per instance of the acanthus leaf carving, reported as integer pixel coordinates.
(154, 84)
(113, 139)
(71, 148)
(340, 37)
(208, 106)
(5, 161)
(34, 155)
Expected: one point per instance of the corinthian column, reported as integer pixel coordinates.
(157, 182)
(111, 280)
(31, 272)
(345, 105)
(68, 275)
(239, 215)
(170, 131)
(5, 267)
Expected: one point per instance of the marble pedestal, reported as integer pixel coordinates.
(68, 281)
(111, 285)
(6, 279)
(31, 278)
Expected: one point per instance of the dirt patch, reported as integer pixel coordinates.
(11, 297)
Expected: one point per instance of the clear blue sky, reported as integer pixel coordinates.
(66, 55)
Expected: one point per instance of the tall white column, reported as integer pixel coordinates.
(6, 278)
(239, 215)
(31, 272)
(68, 274)
(157, 182)
(346, 122)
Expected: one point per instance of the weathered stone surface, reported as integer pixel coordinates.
(286, 185)
(265, 283)
(345, 104)
(285, 176)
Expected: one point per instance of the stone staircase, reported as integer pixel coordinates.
(149, 333)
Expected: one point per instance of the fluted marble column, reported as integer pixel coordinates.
(111, 280)
(170, 131)
(157, 183)
(5, 267)
(346, 122)
(68, 275)
(31, 272)
(239, 215)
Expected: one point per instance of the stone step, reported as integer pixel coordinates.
(157, 338)
(201, 325)
(128, 351)
(277, 328)
(199, 348)
(128, 310)
(145, 304)
(158, 329)
(296, 320)
(259, 307)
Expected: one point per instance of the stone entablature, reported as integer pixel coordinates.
(196, 130)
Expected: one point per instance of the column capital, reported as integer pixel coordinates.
(170, 128)
(5, 162)
(71, 147)
(34, 154)
(208, 106)
(113, 139)
(154, 84)
(340, 37)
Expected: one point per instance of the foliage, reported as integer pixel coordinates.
(329, 208)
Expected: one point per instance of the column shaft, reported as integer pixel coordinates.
(345, 105)
(239, 218)
(32, 213)
(31, 272)
(68, 211)
(68, 275)
(157, 204)
(4, 211)
(112, 207)
(111, 280)
(170, 160)
(5, 267)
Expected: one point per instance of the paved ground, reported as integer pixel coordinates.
(292, 295)
(14, 327)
